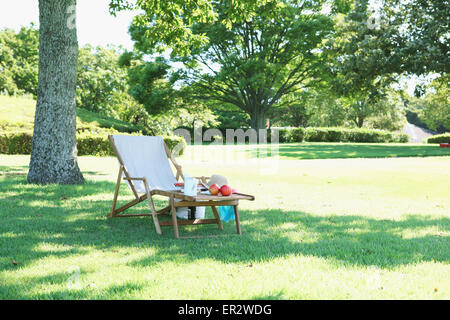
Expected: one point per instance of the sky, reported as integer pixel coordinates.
(94, 23)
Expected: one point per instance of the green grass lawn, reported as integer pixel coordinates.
(315, 150)
(319, 229)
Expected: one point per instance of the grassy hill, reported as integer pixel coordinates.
(17, 114)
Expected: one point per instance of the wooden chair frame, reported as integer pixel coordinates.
(200, 200)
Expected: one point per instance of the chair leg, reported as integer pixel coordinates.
(155, 219)
(238, 223)
(174, 218)
(152, 208)
(216, 215)
(116, 194)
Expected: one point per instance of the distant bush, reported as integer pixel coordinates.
(98, 145)
(440, 138)
(88, 143)
(292, 135)
(337, 134)
(91, 144)
(15, 142)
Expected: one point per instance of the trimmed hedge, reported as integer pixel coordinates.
(15, 142)
(440, 138)
(87, 143)
(287, 135)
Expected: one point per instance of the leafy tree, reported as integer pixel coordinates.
(152, 83)
(390, 113)
(421, 42)
(19, 60)
(297, 112)
(254, 54)
(192, 112)
(374, 48)
(101, 82)
(402, 36)
(359, 108)
(229, 116)
(7, 60)
(436, 105)
(361, 69)
(168, 23)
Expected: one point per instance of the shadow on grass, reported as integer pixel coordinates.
(126, 290)
(338, 150)
(73, 218)
(8, 172)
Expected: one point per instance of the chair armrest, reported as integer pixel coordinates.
(131, 178)
(202, 178)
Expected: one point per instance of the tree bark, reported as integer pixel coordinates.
(258, 119)
(360, 121)
(53, 152)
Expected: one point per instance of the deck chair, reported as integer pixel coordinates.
(144, 165)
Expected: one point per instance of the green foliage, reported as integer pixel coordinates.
(229, 116)
(169, 21)
(261, 53)
(167, 107)
(175, 141)
(391, 120)
(93, 143)
(389, 113)
(297, 112)
(19, 54)
(436, 111)
(15, 142)
(394, 38)
(101, 82)
(359, 63)
(291, 135)
(287, 135)
(420, 43)
(440, 138)
(150, 87)
(313, 107)
(94, 121)
(17, 114)
(431, 110)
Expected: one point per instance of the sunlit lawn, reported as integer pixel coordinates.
(333, 229)
(308, 150)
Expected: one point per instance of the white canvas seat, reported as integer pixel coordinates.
(146, 157)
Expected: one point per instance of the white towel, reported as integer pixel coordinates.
(145, 156)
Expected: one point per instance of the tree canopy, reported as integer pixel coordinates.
(19, 54)
(251, 58)
(422, 41)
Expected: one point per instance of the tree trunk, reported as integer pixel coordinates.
(53, 152)
(360, 121)
(258, 120)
